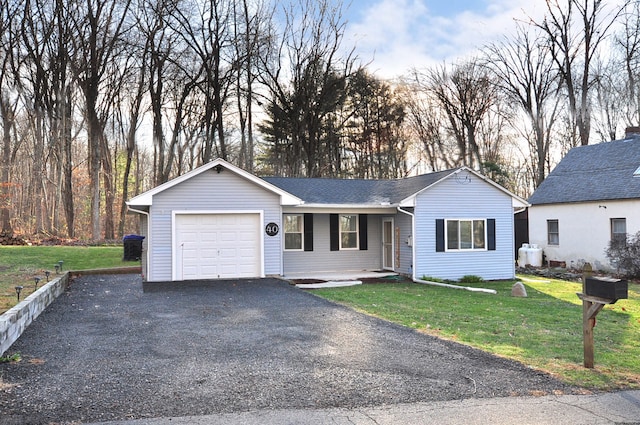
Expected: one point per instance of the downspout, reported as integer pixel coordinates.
(413, 237)
(146, 253)
(428, 282)
(447, 285)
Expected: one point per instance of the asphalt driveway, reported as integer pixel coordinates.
(106, 350)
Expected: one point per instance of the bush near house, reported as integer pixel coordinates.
(625, 256)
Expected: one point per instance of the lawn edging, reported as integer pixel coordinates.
(15, 320)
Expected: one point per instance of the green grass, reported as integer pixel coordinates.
(543, 330)
(19, 265)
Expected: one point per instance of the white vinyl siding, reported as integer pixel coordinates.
(403, 222)
(464, 199)
(212, 191)
(322, 259)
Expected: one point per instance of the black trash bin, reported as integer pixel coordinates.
(132, 247)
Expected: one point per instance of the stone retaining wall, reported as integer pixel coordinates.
(14, 321)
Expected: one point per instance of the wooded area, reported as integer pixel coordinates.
(103, 99)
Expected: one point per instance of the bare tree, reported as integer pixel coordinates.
(609, 89)
(423, 122)
(575, 31)
(306, 79)
(525, 72)
(251, 23)
(465, 93)
(130, 104)
(97, 27)
(628, 42)
(205, 27)
(8, 104)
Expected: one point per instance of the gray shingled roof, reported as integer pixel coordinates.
(593, 173)
(355, 191)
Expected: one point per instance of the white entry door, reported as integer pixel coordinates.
(387, 244)
(217, 246)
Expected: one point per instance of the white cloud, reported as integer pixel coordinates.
(397, 35)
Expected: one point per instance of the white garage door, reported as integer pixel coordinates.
(217, 246)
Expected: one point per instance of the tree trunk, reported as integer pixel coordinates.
(5, 190)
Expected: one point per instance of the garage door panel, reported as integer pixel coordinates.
(228, 236)
(211, 246)
(208, 236)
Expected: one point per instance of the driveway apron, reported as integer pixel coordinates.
(107, 350)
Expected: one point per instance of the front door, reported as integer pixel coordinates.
(387, 244)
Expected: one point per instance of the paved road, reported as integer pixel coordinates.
(622, 408)
(107, 351)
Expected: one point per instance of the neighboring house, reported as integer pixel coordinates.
(590, 198)
(219, 221)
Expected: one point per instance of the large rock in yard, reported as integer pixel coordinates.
(518, 290)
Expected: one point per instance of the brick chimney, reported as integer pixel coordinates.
(632, 133)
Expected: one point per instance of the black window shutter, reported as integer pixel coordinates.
(334, 233)
(439, 235)
(308, 232)
(362, 231)
(491, 234)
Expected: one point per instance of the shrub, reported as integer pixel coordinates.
(470, 278)
(625, 255)
(433, 279)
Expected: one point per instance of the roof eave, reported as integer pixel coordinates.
(146, 198)
(344, 208)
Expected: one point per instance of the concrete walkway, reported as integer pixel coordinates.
(609, 408)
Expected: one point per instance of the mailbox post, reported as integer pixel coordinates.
(596, 293)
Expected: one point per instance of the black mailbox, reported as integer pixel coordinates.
(606, 287)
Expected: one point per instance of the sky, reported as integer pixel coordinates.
(394, 36)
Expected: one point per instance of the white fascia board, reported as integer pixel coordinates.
(340, 209)
(146, 198)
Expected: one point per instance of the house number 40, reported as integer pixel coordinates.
(271, 229)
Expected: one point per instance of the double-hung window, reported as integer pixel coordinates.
(553, 232)
(466, 234)
(293, 232)
(619, 230)
(349, 231)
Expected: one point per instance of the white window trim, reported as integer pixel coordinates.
(549, 233)
(618, 219)
(284, 241)
(446, 235)
(357, 232)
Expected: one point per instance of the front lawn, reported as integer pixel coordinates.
(543, 330)
(20, 264)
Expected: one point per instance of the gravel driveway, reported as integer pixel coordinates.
(106, 350)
